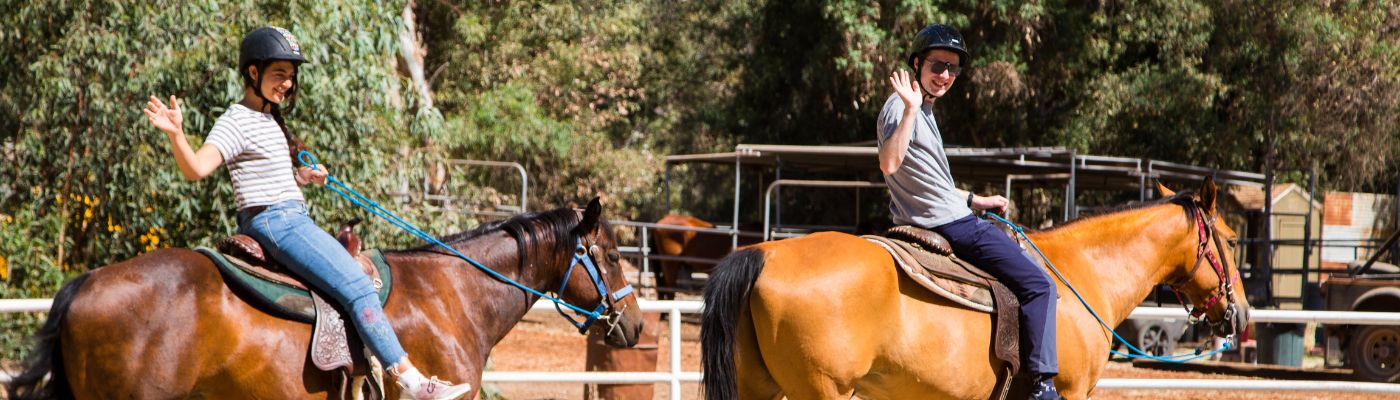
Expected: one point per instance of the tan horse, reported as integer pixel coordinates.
(828, 316)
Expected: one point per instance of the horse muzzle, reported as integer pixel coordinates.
(624, 328)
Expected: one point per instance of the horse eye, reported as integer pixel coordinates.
(614, 256)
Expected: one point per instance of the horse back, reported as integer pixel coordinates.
(819, 302)
(164, 325)
(835, 308)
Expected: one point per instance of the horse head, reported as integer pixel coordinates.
(601, 286)
(1208, 277)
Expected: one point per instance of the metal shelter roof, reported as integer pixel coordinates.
(995, 165)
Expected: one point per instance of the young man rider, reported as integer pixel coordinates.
(922, 193)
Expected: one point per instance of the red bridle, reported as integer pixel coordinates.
(1205, 229)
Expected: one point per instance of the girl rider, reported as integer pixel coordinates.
(252, 139)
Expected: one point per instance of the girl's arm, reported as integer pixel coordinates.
(194, 165)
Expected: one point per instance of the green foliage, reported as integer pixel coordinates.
(89, 182)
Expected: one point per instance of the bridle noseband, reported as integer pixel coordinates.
(607, 309)
(1206, 232)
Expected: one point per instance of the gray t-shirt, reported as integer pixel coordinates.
(922, 191)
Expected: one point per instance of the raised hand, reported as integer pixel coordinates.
(908, 90)
(168, 120)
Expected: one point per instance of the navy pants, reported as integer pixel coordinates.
(978, 242)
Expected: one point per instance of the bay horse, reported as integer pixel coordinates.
(164, 325)
(685, 243)
(829, 315)
(712, 246)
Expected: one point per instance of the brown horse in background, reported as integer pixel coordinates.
(829, 315)
(684, 243)
(712, 246)
(163, 325)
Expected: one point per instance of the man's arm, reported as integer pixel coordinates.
(896, 146)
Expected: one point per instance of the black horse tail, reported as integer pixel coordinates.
(725, 296)
(47, 356)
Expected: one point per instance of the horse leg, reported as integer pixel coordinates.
(666, 277)
(755, 382)
(1080, 349)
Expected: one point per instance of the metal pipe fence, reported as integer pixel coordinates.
(674, 376)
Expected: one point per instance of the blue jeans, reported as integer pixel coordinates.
(987, 247)
(290, 237)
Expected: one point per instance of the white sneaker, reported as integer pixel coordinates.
(434, 389)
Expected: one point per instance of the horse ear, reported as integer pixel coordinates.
(1162, 190)
(591, 216)
(1208, 193)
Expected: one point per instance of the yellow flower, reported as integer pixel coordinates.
(4, 269)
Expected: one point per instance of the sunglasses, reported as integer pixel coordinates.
(937, 67)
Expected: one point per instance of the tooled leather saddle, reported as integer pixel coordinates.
(269, 286)
(927, 258)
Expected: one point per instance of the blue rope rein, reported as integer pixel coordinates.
(1179, 358)
(358, 199)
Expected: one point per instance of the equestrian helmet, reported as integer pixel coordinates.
(937, 36)
(266, 44)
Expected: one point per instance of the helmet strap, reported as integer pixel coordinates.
(919, 77)
(257, 87)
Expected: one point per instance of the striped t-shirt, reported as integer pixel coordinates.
(255, 150)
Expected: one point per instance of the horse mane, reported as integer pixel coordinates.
(1185, 199)
(525, 228)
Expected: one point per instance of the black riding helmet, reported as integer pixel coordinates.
(936, 36)
(263, 46)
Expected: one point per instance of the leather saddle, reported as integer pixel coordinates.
(928, 259)
(269, 286)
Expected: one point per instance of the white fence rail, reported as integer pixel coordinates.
(675, 376)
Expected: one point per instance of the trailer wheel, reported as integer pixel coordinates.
(1375, 353)
(1153, 337)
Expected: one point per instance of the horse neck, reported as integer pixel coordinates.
(492, 306)
(1115, 260)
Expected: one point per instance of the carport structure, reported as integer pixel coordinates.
(1012, 168)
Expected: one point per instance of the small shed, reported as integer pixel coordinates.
(1294, 213)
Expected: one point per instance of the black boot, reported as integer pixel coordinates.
(1044, 388)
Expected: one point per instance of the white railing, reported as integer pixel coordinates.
(1248, 385)
(675, 375)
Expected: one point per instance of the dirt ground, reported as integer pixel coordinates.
(544, 342)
